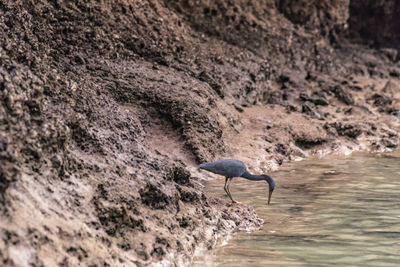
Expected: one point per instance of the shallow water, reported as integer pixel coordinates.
(324, 212)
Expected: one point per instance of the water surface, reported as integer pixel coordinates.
(324, 212)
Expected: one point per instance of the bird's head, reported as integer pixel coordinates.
(271, 184)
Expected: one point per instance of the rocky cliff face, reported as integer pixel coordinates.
(107, 106)
(376, 23)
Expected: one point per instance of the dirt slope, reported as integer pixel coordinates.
(107, 107)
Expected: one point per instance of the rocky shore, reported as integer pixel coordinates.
(107, 107)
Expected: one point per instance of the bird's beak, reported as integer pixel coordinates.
(269, 196)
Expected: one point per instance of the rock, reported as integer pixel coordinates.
(318, 98)
(381, 100)
(189, 195)
(306, 143)
(390, 143)
(345, 129)
(79, 59)
(180, 175)
(342, 94)
(291, 108)
(356, 87)
(275, 97)
(390, 53)
(238, 108)
(304, 13)
(393, 111)
(375, 22)
(83, 84)
(394, 72)
(155, 196)
(391, 88)
(290, 79)
(310, 109)
(207, 78)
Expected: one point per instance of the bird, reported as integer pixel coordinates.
(231, 168)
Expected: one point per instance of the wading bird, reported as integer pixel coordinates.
(231, 168)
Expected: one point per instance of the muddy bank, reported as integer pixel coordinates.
(108, 107)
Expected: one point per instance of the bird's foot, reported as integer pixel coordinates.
(234, 202)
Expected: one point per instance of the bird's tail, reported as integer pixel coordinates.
(205, 166)
(202, 166)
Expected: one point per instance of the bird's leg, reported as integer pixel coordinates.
(228, 191)
(225, 188)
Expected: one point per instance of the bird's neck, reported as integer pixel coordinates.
(252, 177)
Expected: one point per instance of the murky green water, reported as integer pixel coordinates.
(324, 212)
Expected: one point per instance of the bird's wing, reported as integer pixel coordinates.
(225, 167)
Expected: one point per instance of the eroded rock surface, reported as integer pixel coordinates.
(107, 107)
